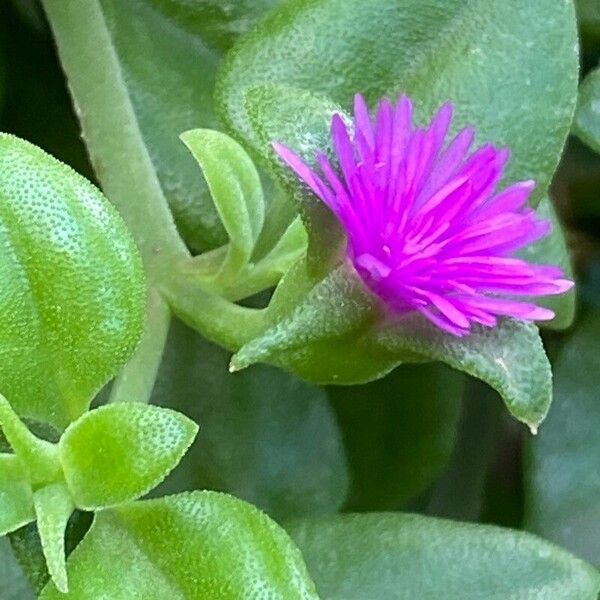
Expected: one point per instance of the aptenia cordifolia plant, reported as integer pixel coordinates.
(289, 349)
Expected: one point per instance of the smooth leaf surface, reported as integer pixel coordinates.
(73, 291)
(394, 556)
(587, 117)
(399, 433)
(266, 436)
(436, 51)
(119, 452)
(338, 334)
(16, 500)
(235, 188)
(201, 545)
(563, 474)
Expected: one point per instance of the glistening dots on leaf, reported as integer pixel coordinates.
(427, 229)
(129, 449)
(73, 295)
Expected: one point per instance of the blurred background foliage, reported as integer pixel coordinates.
(431, 442)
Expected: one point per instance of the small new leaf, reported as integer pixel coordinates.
(119, 452)
(236, 191)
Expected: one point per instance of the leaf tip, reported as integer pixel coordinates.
(61, 581)
(237, 363)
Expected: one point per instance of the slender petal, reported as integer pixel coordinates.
(427, 229)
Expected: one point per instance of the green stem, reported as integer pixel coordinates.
(254, 277)
(216, 318)
(136, 379)
(111, 130)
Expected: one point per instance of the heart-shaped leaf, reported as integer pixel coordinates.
(212, 546)
(73, 293)
(402, 556)
(119, 452)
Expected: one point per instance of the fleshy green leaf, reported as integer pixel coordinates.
(267, 436)
(38, 458)
(436, 51)
(210, 545)
(16, 499)
(587, 117)
(73, 292)
(397, 556)
(235, 187)
(563, 469)
(336, 334)
(121, 451)
(399, 433)
(14, 584)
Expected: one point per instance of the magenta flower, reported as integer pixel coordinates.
(426, 229)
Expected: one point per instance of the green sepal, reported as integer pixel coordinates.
(338, 332)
